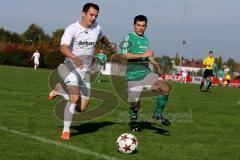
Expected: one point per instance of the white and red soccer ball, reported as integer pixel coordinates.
(127, 143)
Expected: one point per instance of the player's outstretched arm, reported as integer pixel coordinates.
(110, 46)
(123, 57)
(155, 63)
(67, 53)
(105, 41)
(148, 53)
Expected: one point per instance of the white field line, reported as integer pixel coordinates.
(57, 143)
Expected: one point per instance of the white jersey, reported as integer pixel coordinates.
(36, 57)
(82, 41)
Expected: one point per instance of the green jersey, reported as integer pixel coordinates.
(214, 69)
(101, 58)
(137, 69)
(220, 73)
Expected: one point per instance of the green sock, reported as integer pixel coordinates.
(98, 78)
(132, 114)
(160, 105)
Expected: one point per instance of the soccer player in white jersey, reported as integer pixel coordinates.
(35, 58)
(77, 45)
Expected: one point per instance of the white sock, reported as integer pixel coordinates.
(64, 94)
(68, 116)
(67, 125)
(72, 108)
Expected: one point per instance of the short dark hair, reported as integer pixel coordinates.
(140, 18)
(210, 52)
(89, 5)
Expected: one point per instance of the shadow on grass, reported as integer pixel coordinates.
(152, 126)
(89, 127)
(95, 126)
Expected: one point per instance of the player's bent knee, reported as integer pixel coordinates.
(83, 109)
(84, 104)
(163, 87)
(74, 98)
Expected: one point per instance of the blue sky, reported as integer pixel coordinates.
(204, 24)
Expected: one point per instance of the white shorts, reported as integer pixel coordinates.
(220, 79)
(136, 87)
(76, 77)
(36, 61)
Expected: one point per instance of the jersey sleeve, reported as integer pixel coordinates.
(125, 45)
(68, 35)
(100, 36)
(205, 61)
(147, 43)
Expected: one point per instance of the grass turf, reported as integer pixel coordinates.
(205, 126)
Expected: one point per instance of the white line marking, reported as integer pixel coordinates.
(60, 144)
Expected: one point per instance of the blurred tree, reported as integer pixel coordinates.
(177, 59)
(230, 62)
(219, 62)
(56, 38)
(53, 59)
(7, 36)
(165, 62)
(237, 67)
(34, 34)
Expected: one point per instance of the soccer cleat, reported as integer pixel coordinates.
(163, 120)
(135, 127)
(54, 93)
(65, 136)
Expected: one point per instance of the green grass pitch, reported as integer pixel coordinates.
(204, 126)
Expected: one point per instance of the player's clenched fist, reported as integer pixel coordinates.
(78, 62)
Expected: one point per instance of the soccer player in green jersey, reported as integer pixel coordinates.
(220, 77)
(214, 69)
(101, 59)
(138, 76)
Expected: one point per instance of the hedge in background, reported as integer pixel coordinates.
(53, 59)
(16, 58)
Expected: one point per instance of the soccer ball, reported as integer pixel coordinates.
(127, 143)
